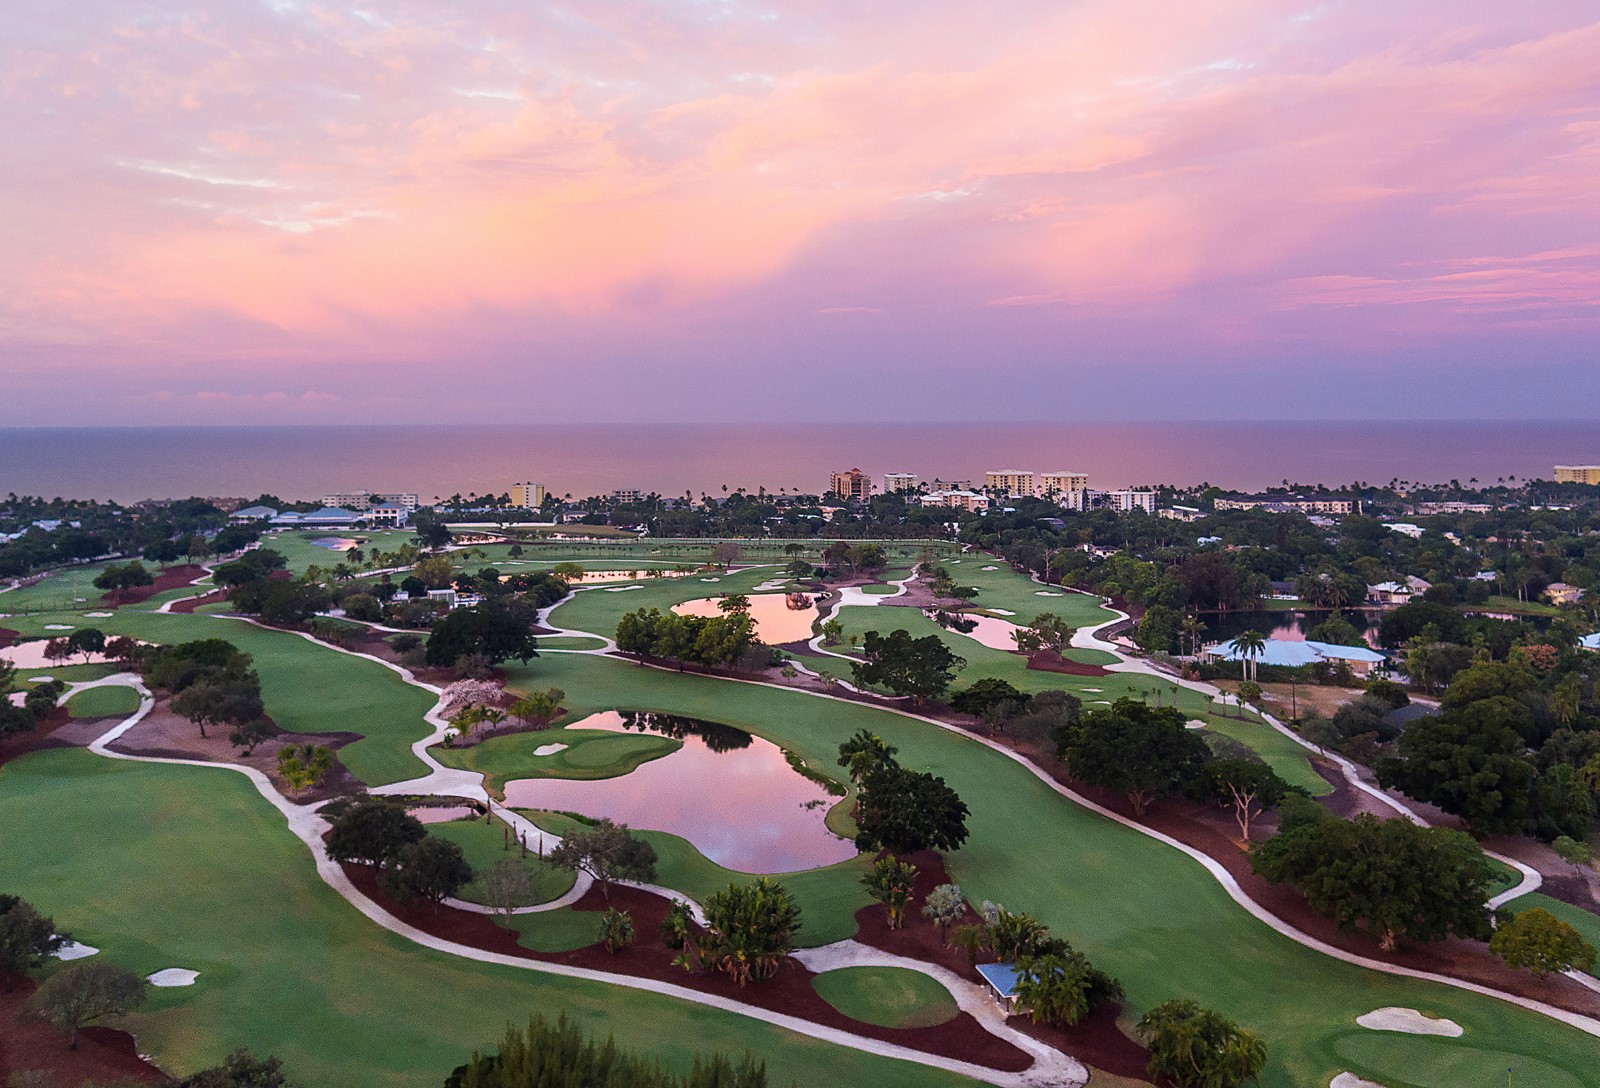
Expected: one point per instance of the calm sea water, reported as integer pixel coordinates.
(128, 464)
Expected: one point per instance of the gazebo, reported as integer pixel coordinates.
(1002, 979)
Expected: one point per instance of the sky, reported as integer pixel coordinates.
(270, 211)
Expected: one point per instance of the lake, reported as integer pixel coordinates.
(733, 795)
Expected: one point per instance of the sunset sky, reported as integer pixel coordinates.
(423, 210)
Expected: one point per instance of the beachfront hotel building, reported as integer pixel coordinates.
(900, 481)
(1578, 474)
(528, 496)
(1126, 500)
(852, 485)
(958, 500)
(362, 501)
(1013, 483)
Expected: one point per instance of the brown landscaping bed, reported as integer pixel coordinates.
(186, 607)
(58, 730)
(103, 1054)
(163, 734)
(789, 992)
(1051, 661)
(170, 578)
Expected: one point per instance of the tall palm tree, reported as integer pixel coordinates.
(1250, 645)
(1193, 628)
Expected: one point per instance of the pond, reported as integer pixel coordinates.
(336, 543)
(1285, 626)
(776, 623)
(733, 795)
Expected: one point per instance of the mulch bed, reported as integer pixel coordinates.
(1096, 1040)
(789, 991)
(171, 578)
(1050, 661)
(166, 735)
(44, 735)
(216, 596)
(103, 1054)
(7, 637)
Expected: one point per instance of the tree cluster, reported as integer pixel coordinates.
(710, 641)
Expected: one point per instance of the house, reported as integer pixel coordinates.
(1560, 593)
(959, 500)
(1288, 653)
(252, 513)
(1398, 592)
(1182, 513)
(1405, 528)
(1002, 979)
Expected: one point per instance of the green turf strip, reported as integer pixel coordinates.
(890, 997)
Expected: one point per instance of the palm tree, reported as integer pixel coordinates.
(1193, 628)
(1250, 645)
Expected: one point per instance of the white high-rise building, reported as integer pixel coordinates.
(899, 481)
(366, 500)
(1059, 483)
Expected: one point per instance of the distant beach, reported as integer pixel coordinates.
(128, 464)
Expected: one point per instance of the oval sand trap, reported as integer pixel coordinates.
(173, 976)
(1350, 1080)
(1047, 593)
(72, 950)
(1409, 1021)
(549, 749)
(97, 615)
(58, 627)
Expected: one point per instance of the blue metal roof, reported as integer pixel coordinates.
(1001, 976)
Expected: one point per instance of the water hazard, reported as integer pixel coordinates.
(776, 620)
(731, 794)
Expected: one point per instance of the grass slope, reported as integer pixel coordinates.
(483, 844)
(103, 703)
(590, 754)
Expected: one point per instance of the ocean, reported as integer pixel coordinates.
(128, 463)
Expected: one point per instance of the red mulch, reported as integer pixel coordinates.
(1096, 1040)
(42, 736)
(7, 637)
(788, 992)
(216, 596)
(103, 1054)
(1050, 661)
(171, 578)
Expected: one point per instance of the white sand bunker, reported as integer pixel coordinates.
(97, 615)
(1047, 593)
(173, 976)
(984, 568)
(17, 698)
(1350, 1080)
(72, 950)
(1097, 691)
(58, 627)
(1195, 723)
(1002, 612)
(711, 579)
(549, 749)
(1409, 1021)
(622, 589)
(770, 587)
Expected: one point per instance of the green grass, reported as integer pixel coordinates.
(1291, 761)
(891, 997)
(1140, 909)
(1587, 923)
(1505, 877)
(1004, 588)
(108, 702)
(483, 844)
(66, 673)
(1514, 607)
(1414, 1061)
(590, 754)
(173, 866)
(569, 642)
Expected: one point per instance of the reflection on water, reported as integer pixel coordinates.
(442, 814)
(336, 543)
(1286, 626)
(992, 631)
(776, 623)
(733, 795)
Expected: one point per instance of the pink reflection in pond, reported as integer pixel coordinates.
(732, 795)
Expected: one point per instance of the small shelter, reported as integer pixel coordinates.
(1002, 979)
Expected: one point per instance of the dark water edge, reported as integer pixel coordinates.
(128, 464)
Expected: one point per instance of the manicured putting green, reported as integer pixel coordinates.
(1417, 1061)
(590, 754)
(890, 997)
(107, 702)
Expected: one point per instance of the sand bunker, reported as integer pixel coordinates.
(986, 568)
(30, 655)
(58, 627)
(72, 950)
(711, 579)
(1002, 612)
(1350, 1080)
(1194, 723)
(1409, 1021)
(98, 615)
(621, 589)
(17, 698)
(173, 976)
(549, 749)
(1047, 593)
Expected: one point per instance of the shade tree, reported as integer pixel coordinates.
(919, 668)
(1142, 752)
(1194, 1047)
(608, 852)
(373, 831)
(84, 992)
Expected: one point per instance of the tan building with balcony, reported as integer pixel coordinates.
(1578, 474)
(1011, 482)
(528, 496)
(853, 484)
